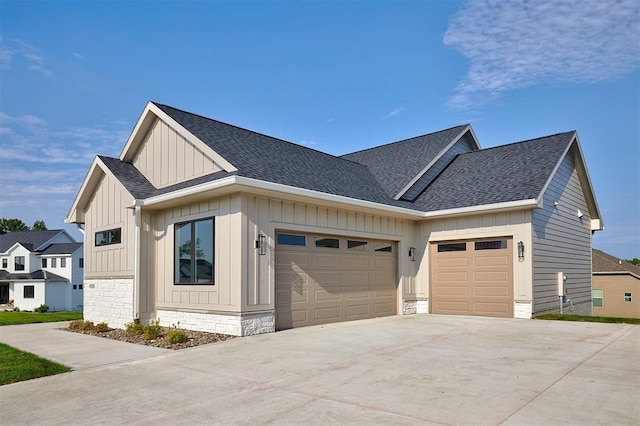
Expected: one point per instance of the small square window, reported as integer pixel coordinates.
(75, 286)
(80, 286)
(81, 262)
(627, 296)
(596, 295)
(63, 262)
(29, 292)
(44, 262)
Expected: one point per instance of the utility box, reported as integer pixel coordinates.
(561, 279)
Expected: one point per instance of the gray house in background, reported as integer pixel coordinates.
(228, 230)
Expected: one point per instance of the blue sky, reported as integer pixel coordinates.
(335, 76)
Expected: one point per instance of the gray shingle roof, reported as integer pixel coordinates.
(35, 275)
(61, 248)
(505, 173)
(29, 239)
(603, 262)
(394, 165)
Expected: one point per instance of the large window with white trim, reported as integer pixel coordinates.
(193, 252)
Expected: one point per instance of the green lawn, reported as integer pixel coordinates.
(17, 366)
(15, 318)
(584, 318)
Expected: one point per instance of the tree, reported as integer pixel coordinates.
(12, 225)
(634, 261)
(39, 225)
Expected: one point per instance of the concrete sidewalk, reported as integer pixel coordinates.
(417, 369)
(75, 350)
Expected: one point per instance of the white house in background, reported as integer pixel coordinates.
(41, 267)
(228, 230)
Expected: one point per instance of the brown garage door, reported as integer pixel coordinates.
(323, 279)
(472, 277)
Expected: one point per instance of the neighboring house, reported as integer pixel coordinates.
(223, 229)
(41, 267)
(616, 287)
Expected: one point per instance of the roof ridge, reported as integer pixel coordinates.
(407, 139)
(525, 141)
(253, 131)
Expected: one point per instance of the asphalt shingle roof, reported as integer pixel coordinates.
(35, 275)
(29, 239)
(604, 262)
(61, 248)
(505, 173)
(394, 165)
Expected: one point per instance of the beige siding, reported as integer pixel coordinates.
(157, 267)
(613, 289)
(515, 224)
(166, 158)
(107, 209)
(562, 243)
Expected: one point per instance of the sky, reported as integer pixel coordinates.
(335, 76)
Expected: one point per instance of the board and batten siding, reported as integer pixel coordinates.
(106, 210)
(516, 224)
(157, 267)
(165, 157)
(270, 215)
(562, 243)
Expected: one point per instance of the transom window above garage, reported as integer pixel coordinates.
(444, 247)
(327, 242)
(490, 245)
(291, 239)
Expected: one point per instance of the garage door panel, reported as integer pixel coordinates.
(323, 285)
(453, 290)
(493, 309)
(451, 262)
(491, 276)
(455, 307)
(490, 261)
(490, 291)
(453, 276)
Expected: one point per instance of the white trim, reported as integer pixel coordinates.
(146, 120)
(484, 208)
(436, 158)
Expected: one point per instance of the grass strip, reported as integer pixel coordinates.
(16, 318)
(17, 366)
(584, 318)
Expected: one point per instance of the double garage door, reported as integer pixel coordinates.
(472, 277)
(323, 279)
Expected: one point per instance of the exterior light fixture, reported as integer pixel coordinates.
(520, 251)
(261, 245)
(412, 253)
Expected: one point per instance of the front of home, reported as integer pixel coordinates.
(222, 229)
(616, 286)
(41, 268)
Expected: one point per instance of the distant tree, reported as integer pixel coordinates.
(634, 261)
(12, 225)
(39, 225)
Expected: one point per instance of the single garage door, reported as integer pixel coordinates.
(472, 277)
(324, 279)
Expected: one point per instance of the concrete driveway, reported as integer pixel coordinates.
(416, 369)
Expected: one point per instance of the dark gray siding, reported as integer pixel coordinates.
(429, 176)
(562, 243)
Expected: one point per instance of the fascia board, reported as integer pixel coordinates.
(436, 158)
(485, 208)
(87, 185)
(616, 273)
(150, 113)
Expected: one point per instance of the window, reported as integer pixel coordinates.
(80, 286)
(491, 245)
(29, 292)
(194, 252)
(81, 262)
(292, 240)
(4, 263)
(75, 286)
(327, 242)
(356, 245)
(44, 263)
(596, 295)
(383, 246)
(63, 262)
(452, 247)
(112, 236)
(54, 262)
(19, 263)
(627, 296)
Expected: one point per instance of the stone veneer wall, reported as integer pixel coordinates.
(415, 307)
(108, 300)
(522, 310)
(235, 325)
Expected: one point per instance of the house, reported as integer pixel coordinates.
(41, 267)
(616, 287)
(223, 229)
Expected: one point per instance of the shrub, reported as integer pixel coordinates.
(102, 327)
(153, 330)
(175, 335)
(42, 308)
(88, 326)
(76, 325)
(134, 329)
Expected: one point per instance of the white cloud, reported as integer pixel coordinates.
(34, 57)
(307, 143)
(393, 113)
(514, 44)
(6, 53)
(78, 55)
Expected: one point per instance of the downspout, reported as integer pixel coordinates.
(136, 263)
(79, 225)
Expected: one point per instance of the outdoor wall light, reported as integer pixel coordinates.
(520, 251)
(261, 245)
(412, 253)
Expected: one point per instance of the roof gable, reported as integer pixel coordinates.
(61, 248)
(31, 240)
